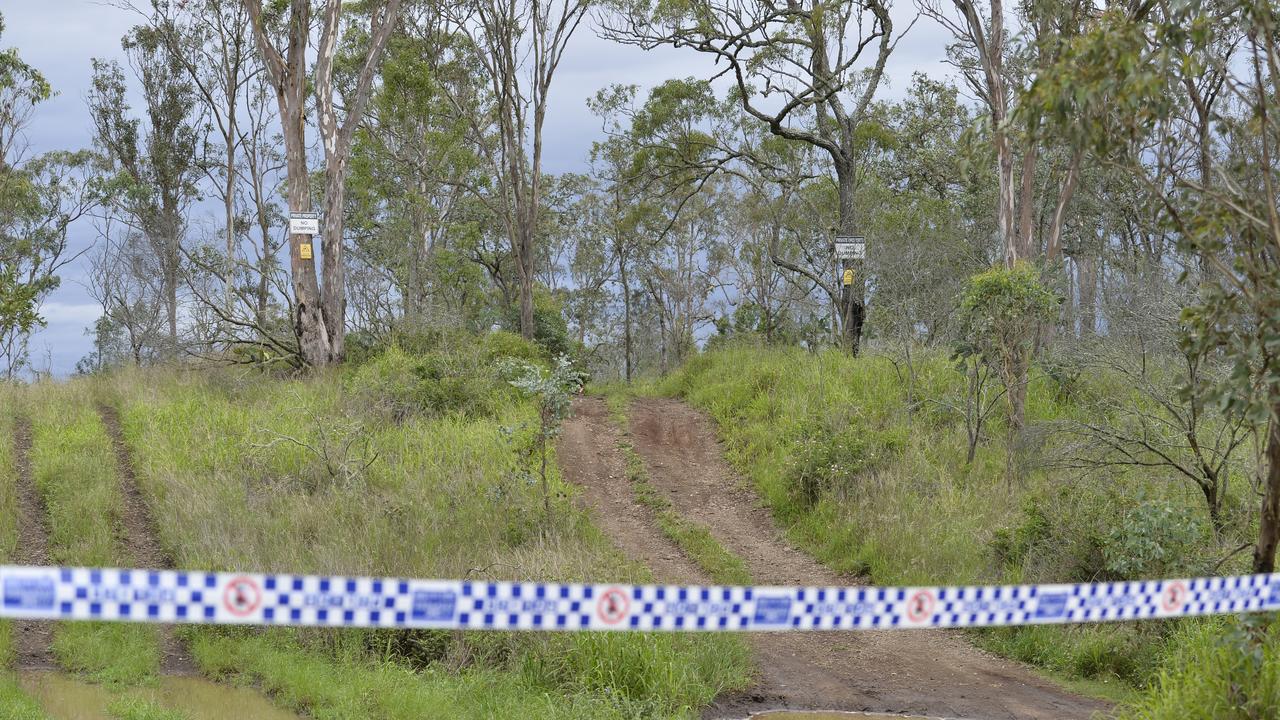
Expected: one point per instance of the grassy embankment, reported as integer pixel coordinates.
(898, 504)
(407, 465)
(14, 704)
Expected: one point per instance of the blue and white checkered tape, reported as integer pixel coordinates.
(176, 596)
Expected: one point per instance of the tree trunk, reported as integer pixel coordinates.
(229, 200)
(1087, 282)
(852, 307)
(525, 265)
(334, 273)
(1264, 554)
(309, 322)
(1027, 198)
(626, 317)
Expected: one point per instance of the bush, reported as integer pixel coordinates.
(400, 385)
(1153, 540)
(826, 459)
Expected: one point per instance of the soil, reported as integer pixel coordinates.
(32, 640)
(918, 672)
(139, 540)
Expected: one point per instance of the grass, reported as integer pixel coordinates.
(14, 703)
(394, 468)
(895, 501)
(1219, 668)
(136, 708)
(8, 506)
(75, 472)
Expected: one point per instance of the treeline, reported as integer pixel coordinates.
(1098, 192)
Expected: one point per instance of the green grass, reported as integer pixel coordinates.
(75, 472)
(8, 505)
(336, 474)
(135, 708)
(896, 502)
(1219, 669)
(16, 704)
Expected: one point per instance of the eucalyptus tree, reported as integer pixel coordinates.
(1132, 61)
(807, 70)
(283, 35)
(518, 46)
(154, 167)
(40, 198)
(213, 43)
(412, 167)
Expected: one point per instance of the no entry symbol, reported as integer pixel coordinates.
(920, 606)
(613, 606)
(242, 597)
(1174, 597)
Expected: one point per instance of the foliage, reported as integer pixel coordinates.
(1002, 310)
(1153, 540)
(553, 389)
(899, 504)
(1227, 669)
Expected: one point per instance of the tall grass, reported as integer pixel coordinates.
(75, 473)
(872, 479)
(368, 471)
(8, 504)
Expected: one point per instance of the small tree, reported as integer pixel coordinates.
(554, 389)
(1002, 310)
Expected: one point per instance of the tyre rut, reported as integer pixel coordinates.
(140, 543)
(33, 640)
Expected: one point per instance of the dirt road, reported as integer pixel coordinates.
(910, 672)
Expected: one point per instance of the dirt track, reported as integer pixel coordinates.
(917, 672)
(139, 540)
(32, 640)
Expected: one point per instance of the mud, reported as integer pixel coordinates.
(66, 698)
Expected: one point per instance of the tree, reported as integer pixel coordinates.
(412, 167)
(40, 198)
(1002, 310)
(519, 45)
(319, 311)
(154, 172)
(808, 56)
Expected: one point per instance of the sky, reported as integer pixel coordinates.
(61, 37)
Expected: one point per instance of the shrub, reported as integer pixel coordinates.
(824, 458)
(399, 385)
(1154, 539)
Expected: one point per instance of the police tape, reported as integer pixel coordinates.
(177, 596)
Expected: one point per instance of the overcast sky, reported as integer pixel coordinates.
(60, 37)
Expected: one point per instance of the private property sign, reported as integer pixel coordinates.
(851, 247)
(304, 223)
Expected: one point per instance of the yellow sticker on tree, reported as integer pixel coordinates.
(304, 251)
(848, 277)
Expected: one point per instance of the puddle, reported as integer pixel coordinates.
(807, 715)
(65, 698)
